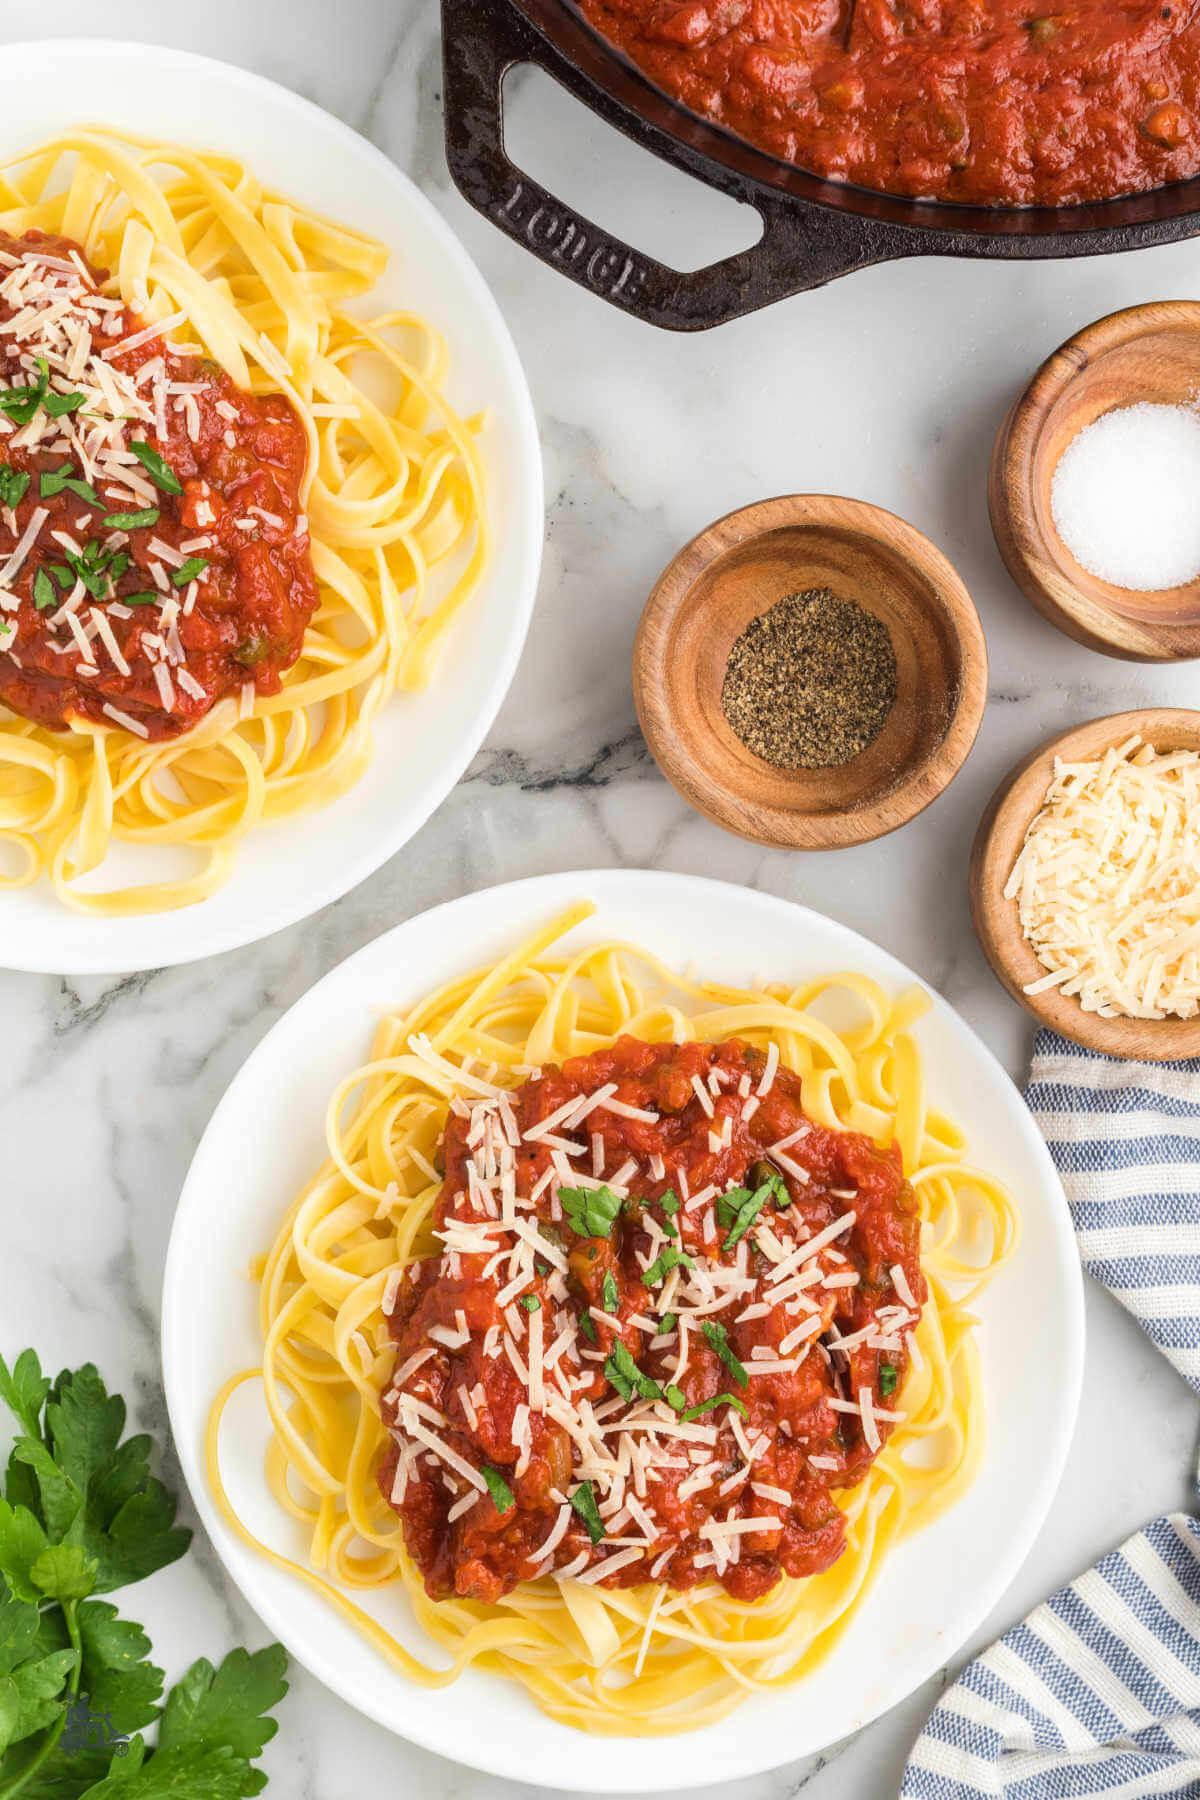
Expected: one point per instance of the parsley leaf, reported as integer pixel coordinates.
(670, 1202)
(703, 1406)
(160, 473)
(149, 599)
(14, 484)
(667, 1259)
(588, 1327)
(584, 1502)
(718, 1340)
(623, 1373)
(58, 404)
(592, 1212)
(498, 1488)
(531, 1303)
(188, 571)
(53, 481)
(612, 1293)
(24, 1389)
(889, 1378)
(44, 595)
(223, 1708)
(741, 1210)
(132, 521)
(668, 1322)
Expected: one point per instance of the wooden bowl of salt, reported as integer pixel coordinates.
(723, 590)
(1093, 485)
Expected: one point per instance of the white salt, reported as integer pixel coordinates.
(1126, 496)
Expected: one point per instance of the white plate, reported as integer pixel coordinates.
(266, 1138)
(285, 872)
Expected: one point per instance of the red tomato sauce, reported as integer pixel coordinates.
(235, 464)
(992, 102)
(803, 1424)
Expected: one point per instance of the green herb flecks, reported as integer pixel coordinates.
(588, 1327)
(667, 1323)
(133, 521)
(623, 1374)
(718, 1341)
(14, 484)
(161, 474)
(703, 1406)
(188, 571)
(44, 594)
(531, 1303)
(584, 1502)
(612, 1293)
(667, 1259)
(56, 481)
(889, 1378)
(498, 1488)
(592, 1212)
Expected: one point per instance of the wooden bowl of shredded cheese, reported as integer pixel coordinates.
(1085, 884)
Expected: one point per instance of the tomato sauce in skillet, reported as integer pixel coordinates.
(992, 102)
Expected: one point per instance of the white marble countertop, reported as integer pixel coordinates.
(888, 385)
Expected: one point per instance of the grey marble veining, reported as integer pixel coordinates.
(890, 386)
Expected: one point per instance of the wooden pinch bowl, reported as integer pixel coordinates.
(735, 570)
(1146, 353)
(998, 841)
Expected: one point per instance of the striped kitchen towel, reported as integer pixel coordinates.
(1098, 1692)
(1125, 1137)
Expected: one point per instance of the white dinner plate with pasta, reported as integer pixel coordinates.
(270, 508)
(622, 1304)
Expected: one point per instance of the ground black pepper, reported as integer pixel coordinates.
(810, 682)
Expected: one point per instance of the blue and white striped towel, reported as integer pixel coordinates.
(1098, 1692)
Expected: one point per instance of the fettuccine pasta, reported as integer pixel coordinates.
(247, 283)
(645, 1658)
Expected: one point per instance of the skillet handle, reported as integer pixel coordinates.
(802, 246)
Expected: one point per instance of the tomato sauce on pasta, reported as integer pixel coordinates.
(669, 1318)
(154, 555)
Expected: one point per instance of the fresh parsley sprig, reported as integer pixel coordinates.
(82, 1515)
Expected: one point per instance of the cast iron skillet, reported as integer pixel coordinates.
(813, 230)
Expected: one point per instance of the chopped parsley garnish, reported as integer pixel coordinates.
(703, 1406)
(588, 1327)
(21, 403)
(53, 481)
(133, 521)
(44, 595)
(623, 1373)
(62, 575)
(97, 568)
(763, 1175)
(14, 484)
(161, 474)
(668, 1322)
(718, 1340)
(188, 571)
(151, 599)
(670, 1202)
(592, 1212)
(584, 1502)
(675, 1396)
(58, 404)
(667, 1259)
(889, 1378)
(612, 1293)
(739, 1208)
(498, 1488)
(531, 1303)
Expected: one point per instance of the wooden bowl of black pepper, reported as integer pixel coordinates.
(810, 672)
